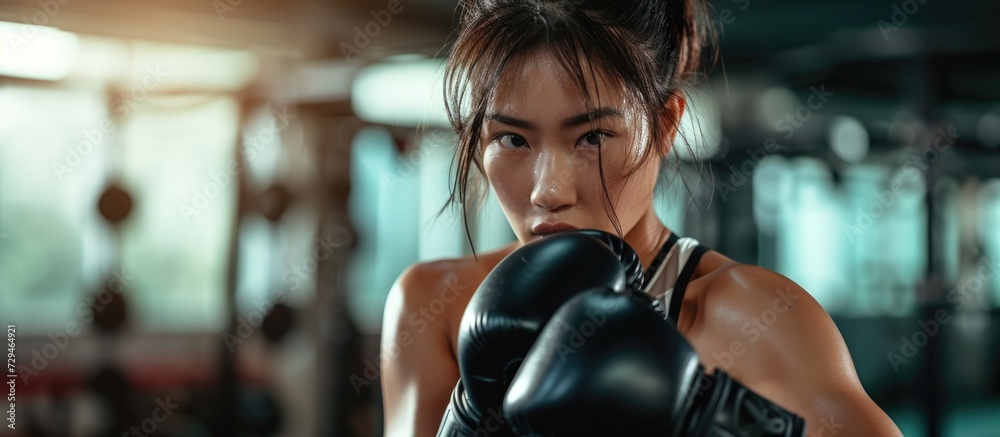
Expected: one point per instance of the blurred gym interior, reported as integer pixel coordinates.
(203, 203)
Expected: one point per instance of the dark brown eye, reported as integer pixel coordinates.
(512, 141)
(593, 139)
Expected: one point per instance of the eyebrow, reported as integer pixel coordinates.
(573, 121)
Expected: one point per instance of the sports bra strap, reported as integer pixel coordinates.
(658, 260)
(674, 310)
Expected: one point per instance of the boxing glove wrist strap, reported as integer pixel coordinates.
(724, 406)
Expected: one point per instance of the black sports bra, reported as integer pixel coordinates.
(680, 286)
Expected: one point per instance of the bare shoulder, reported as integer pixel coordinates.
(425, 281)
(435, 293)
(755, 312)
(768, 332)
(749, 290)
(417, 355)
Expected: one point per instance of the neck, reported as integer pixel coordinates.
(647, 237)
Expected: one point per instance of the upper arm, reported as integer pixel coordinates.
(418, 369)
(800, 359)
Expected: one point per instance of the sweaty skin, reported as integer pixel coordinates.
(757, 325)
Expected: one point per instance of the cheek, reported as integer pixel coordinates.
(503, 172)
(618, 161)
(638, 189)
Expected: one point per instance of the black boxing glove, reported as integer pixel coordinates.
(626, 256)
(511, 306)
(609, 364)
(462, 418)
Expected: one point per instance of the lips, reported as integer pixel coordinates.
(551, 227)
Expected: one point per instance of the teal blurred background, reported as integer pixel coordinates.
(205, 203)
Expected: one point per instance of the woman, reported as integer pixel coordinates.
(567, 110)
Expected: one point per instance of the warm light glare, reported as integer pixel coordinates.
(403, 92)
(190, 67)
(36, 52)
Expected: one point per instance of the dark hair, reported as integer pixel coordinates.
(649, 48)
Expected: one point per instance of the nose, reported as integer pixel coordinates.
(554, 181)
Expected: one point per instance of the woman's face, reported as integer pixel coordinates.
(540, 152)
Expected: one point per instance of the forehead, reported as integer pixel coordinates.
(538, 86)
